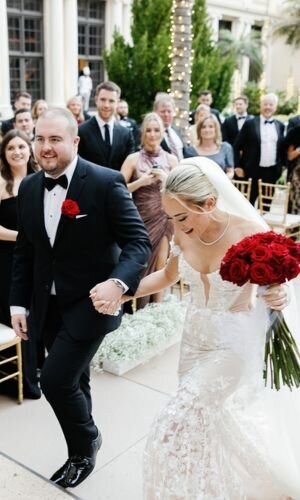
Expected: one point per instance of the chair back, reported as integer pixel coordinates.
(273, 200)
(244, 187)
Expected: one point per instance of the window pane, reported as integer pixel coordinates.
(15, 75)
(33, 77)
(82, 6)
(95, 40)
(13, 4)
(33, 5)
(81, 39)
(14, 33)
(32, 35)
(97, 10)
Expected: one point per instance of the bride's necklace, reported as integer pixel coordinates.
(209, 243)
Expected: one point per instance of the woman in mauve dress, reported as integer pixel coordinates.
(144, 172)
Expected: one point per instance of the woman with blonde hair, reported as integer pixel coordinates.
(145, 171)
(210, 145)
(202, 111)
(37, 109)
(75, 105)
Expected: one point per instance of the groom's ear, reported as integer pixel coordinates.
(76, 140)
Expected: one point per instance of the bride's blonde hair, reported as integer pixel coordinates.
(190, 184)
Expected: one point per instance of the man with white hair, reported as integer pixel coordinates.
(257, 147)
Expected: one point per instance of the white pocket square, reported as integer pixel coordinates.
(80, 216)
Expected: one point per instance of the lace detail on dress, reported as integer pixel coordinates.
(209, 441)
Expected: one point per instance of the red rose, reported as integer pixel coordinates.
(261, 253)
(238, 271)
(279, 252)
(245, 246)
(291, 268)
(262, 274)
(70, 208)
(294, 248)
(267, 237)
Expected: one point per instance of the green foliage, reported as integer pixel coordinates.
(210, 70)
(286, 106)
(142, 69)
(253, 92)
(289, 25)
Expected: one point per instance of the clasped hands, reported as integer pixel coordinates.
(107, 298)
(277, 297)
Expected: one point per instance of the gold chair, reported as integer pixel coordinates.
(273, 201)
(9, 339)
(244, 187)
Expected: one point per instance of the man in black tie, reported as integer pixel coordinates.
(257, 148)
(102, 140)
(293, 122)
(234, 123)
(78, 228)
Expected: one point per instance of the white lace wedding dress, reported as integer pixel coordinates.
(217, 438)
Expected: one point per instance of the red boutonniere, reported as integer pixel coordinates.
(70, 208)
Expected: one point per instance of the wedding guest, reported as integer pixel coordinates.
(211, 146)
(85, 87)
(39, 106)
(23, 122)
(130, 123)
(75, 105)
(291, 147)
(205, 97)
(257, 148)
(293, 122)
(202, 111)
(22, 101)
(145, 172)
(16, 162)
(102, 140)
(234, 123)
(164, 106)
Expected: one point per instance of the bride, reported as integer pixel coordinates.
(223, 435)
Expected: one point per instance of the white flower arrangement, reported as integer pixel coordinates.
(141, 336)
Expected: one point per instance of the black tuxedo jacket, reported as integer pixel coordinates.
(93, 148)
(230, 128)
(293, 122)
(247, 146)
(7, 125)
(187, 151)
(109, 241)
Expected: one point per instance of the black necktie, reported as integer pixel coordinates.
(269, 121)
(50, 183)
(106, 135)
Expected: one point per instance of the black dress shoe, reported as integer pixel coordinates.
(78, 467)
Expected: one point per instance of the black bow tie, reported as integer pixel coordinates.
(269, 121)
(241, 117)
(50, 183)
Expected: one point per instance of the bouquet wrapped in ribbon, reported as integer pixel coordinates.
(266, 259)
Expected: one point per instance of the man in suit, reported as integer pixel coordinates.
(23, 121)
(257, 148)
(78, 228)
(205, 97)
(293, 122)
(130, 123)
(102, 140)
(164, 106)
(22, 101)
(234, 123)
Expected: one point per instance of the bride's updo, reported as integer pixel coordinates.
(189, 183)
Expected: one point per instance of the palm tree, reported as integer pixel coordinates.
(289, 26)
(181, 56)
(247, 45)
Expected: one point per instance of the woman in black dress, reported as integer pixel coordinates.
(16, 161)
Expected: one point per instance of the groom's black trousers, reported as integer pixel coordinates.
(65, 381)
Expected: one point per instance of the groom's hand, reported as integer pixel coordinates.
(19, 324)
(106, 297)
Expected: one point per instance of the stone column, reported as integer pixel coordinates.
(54, 52)
(242, 28)
(126, 20)
(71, 48)
(5, 107)
(214, 22)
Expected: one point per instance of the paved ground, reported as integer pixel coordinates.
(124, 408)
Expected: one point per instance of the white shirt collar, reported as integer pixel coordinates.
(263, 119)
(101, 123)
(69, 170)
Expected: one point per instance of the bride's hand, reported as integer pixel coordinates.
(277, 296)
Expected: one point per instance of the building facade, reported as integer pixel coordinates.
(45, 43)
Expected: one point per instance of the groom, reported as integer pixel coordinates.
(78, 227)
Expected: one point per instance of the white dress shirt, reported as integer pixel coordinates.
(110, 124)
(268, 146)
(176, 141)
(240, 120)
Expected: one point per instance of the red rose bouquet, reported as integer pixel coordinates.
(70, 208)
(266, 259)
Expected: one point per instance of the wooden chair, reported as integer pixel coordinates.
(273, 201)
(244, 187)
(8, 339)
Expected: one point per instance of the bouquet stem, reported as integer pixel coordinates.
(282, 356)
